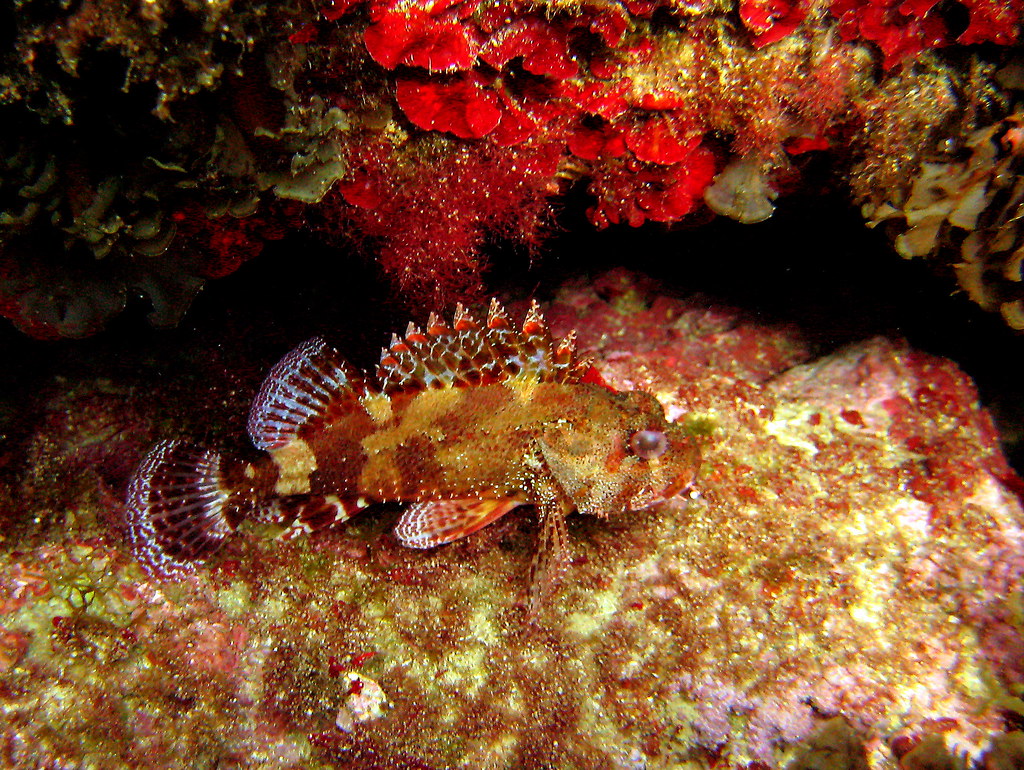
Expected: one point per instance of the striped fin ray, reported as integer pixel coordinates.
(550, 558)
(181, 506)
(432, 523)
(467, 353)
(308, 385)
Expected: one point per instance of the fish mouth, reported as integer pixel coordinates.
(676, 490)
(678, 487)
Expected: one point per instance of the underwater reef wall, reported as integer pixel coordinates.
(841, 590)
(148, 148)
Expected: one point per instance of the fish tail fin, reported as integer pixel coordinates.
(183, 502)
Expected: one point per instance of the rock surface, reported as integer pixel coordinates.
(844, 575)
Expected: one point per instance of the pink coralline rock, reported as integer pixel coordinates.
(854, 541)
(849, 555)
(146, 666)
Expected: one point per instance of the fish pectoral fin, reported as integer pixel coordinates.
(301, 514)
(425, 525)
(302, 389)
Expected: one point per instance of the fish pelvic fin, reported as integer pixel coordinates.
(551, 557)
(183, 502)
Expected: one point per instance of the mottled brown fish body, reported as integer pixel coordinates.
(463, 422)
(448, 443)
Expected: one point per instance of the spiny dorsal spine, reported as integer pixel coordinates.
(313, 383)
(467, 353)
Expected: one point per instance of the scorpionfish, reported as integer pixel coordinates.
(464, 423)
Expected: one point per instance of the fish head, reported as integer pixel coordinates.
(621, 455)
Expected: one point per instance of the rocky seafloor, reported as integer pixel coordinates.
(841, 589)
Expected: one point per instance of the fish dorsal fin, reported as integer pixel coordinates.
(303, 387)
(468, 353)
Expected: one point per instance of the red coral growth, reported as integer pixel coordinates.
(771, 20)
(426, 34)
(462, 106)
(642, 9)
(992, 21)
(801, 144)
(226, 243)
(900, 28)
(636, 195)
(518, 69)
(307, 33)
(593, 142)
(611, 25)
(662, 138)
(547, 85)
(543, 48)
(230, 246)
(607, 100)
(904, 28)
(446, 208)
(515, 123)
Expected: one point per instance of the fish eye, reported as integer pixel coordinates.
(648, 444)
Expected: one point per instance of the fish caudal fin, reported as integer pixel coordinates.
(181, 507)
(425, 525)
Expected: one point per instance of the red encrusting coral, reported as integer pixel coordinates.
(592, 142)
(992, 21)
(509, 77)
(461, 106)
(662, 139)
(632, 193)
(426, 34)
(223, 244)
(771, 20)
(556, 81)
(900, 29)
(801, 144)
(542, 47)
(523, 85)
(599, 99)
(515, 124)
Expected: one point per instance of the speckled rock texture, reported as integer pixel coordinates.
(841, 583)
